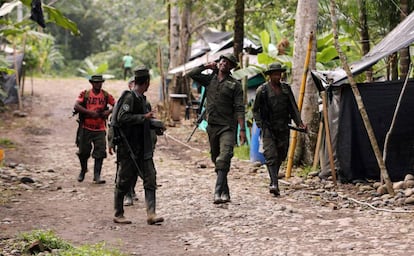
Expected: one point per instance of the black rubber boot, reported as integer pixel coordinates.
(97, 171)
(151, 202)
(219, 187)
(84, 169)
(128, 199)
(274, 184)
(225, 194)
(119, 208)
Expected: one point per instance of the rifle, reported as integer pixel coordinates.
(197, 123)
(201, 114)
(131, 153)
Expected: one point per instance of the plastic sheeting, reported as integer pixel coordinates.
(354, 156)
(8, 82)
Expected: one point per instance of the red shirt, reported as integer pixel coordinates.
(95, 102)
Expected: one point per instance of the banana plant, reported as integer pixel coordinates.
(90, 69)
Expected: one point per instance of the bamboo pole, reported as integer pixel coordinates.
(361, 107)
(300, 102)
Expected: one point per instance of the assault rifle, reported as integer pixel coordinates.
(131, 153)
(200, 118)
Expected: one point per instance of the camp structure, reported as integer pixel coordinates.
(354, 158)
(8, 83)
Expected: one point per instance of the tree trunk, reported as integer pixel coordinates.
(405, 52)
(183, 84)
(364, 34)
(239, 28)
(174, 29)
(306, 22)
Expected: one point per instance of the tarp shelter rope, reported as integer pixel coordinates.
(184, 144)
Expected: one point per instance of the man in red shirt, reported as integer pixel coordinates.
(94, 106)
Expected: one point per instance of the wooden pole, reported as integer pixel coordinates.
(384, 152)
(16, 70)
(318, 146)
(361, 107)
(300, 102)
(328, 137)
(167, 114)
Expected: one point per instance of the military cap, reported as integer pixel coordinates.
(230, 57)
(141, 72)
(275, 67)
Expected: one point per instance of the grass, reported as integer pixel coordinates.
(46, 241)
(242, 152)
(304, 171)
(7, 143)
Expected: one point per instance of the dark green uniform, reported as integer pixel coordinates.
(224, 107)
(137, 132)
(274, 124)
(275, 130)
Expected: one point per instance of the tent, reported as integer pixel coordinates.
(354, 157)
(8, 82)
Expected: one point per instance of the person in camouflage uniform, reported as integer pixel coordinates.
(134, 120)
(225, 109)
(273, 108)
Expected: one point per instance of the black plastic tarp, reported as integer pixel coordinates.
(8, 82)
(353, 150)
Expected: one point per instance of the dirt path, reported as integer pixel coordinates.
(254, 223)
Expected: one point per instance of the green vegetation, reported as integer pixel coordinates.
(242, 152)
(7, 143)
(304, 171)
(38, 241)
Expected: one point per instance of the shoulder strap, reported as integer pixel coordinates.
(264, 106)
(106, 95)
(85, 97)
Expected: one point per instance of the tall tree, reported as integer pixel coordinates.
(174, 33)
(364, 33)
(239, 28)
(405, 52)
(306, 22)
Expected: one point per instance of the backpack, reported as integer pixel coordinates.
(114, 134)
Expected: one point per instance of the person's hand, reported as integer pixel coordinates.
(110, 151)
(304, 127)
(242, 137)
(105, 113)
(150, 114)
(94, 114)
(211, 65)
